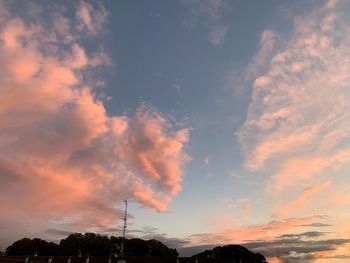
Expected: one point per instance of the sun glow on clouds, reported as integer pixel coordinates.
(267, 231)
(297, 130)
(62, 157)
(298, 122)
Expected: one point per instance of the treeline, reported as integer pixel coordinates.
(89, 244)
(234, 253)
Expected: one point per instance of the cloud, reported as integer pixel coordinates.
(209, 14)
(310, 234)
(210, 9)
(297, 124)
(241, 78)
(303, 198)
(64, 160)
(217, 35)
(266, 47)
(266, 231)
(292, 247)
(57, 232)
(245, 210)
(297, 248)
(317, 224)
(193, 250)
(90, 19)
(148, 232)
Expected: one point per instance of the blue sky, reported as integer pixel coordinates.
(220, 121)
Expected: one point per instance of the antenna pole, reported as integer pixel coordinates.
(124, 228)
(125, 214)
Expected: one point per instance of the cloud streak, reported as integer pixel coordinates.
(266, 231)
(297, 124)
(303, 198)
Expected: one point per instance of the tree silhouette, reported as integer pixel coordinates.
(90, 244)
(234, 253)
(26, 246)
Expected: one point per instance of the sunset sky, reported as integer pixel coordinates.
(220, 121)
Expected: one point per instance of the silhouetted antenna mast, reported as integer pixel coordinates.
(122, 251)
(125, 215)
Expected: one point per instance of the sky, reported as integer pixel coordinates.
(220, 121)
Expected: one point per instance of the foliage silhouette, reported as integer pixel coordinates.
(234, 253)
(90, 244)
(26, 246)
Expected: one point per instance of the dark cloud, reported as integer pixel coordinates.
(310, 234)
(292, 247)
(148, 232)
(112, 230)
(190, 251)
(172, 242)
(295, 246)
(316, 225)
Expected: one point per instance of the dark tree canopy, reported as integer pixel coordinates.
(235, 253)
(140, 247)
(85, 244)
(28, 246)
(101, 245)
(90, 244)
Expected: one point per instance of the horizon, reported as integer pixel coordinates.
(219, 121)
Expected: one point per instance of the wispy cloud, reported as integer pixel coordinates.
(90, 19)
(209, 13)
(57, 232)
(303, 198)
(317, 224)
(217, 35)
(154, 233)
(271, 240)
(297, 125)
(291, 248)
(266, 231)
(212, 9)
(304, 246)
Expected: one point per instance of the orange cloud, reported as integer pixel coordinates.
(63, 159)
(303, 198)
(267, 231)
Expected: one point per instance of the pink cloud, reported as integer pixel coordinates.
(63, 159)
(246, 208)
(267, 231)
(297, 126)
(303, 198)
(89, 18)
